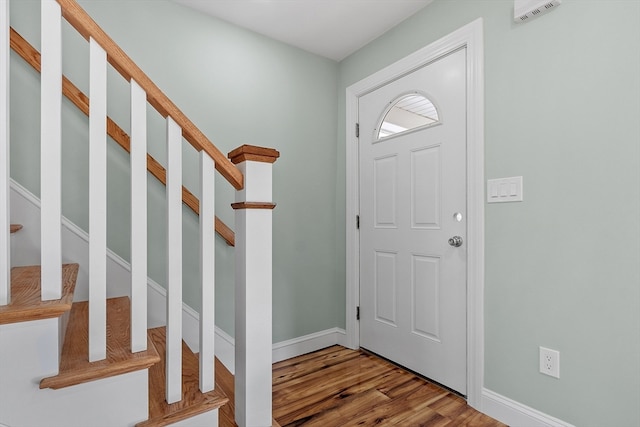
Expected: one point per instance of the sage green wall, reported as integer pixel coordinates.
(562, 267)
(239, 88)
(562, 108)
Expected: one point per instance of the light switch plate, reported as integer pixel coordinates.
(503, 190)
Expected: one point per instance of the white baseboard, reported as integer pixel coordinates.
(307, 344)
(516, 414)
(225, 345)
(226, 349)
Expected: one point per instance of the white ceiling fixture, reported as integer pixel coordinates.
(330, 28)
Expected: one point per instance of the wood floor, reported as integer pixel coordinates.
(338, 387)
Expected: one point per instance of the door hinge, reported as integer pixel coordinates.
(358, 313)
(357, 130)
(358, 222)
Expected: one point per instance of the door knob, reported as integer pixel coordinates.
(455, 241)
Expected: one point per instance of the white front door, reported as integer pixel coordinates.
(412, 202)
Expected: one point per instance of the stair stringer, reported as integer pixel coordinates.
(30, 352)
(25, 209)
(25, 249)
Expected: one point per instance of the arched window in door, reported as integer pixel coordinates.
(407, 112)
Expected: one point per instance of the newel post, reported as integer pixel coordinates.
(253, 310)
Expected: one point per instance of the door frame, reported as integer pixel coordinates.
(470, 37)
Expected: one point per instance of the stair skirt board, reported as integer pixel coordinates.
(25, 209)
(26, 251)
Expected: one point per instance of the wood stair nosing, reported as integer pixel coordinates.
(26, 303)
(193, 401)
(14, 228)
(75, 367)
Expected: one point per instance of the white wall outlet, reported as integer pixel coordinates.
(550, 362)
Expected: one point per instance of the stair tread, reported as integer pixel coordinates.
(75, 367)
(26, 304)
(193, 402)
(15, 228)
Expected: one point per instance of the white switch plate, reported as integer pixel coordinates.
(504, 190)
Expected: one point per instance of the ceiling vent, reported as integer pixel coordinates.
(524, 10)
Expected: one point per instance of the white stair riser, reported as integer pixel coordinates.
(29, 353)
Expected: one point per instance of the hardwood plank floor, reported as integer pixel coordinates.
(341, 387)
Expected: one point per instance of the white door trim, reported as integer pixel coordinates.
(471, 37)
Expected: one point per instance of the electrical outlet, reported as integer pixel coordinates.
(550, 362)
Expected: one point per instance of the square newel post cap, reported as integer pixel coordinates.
(253, 153)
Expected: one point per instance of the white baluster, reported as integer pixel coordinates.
(207, 272)
(138, 218)
(253, 312)
(5, 220)
(174, 262)
(50, 151)
(97, 202)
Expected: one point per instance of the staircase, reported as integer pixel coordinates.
(69, 362)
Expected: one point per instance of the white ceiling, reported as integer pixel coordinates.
(330, 28)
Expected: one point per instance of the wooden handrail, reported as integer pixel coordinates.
(87, 27)
(80, 100)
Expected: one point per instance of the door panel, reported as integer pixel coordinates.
(386, 287)
(425, 188)
(413, 283)
(425, 285)
(385, 191)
